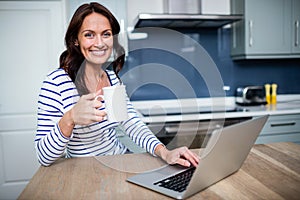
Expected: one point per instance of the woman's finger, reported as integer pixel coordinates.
(97, 104)
(91, 96)
(99, 115)
(183, 162)
(191, 157)
(188, 155)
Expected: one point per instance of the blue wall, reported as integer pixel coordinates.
(149, 64)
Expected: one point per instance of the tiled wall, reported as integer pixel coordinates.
(158, 74)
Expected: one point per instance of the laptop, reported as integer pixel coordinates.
(223, 155)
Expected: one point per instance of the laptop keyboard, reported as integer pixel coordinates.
(178, 182)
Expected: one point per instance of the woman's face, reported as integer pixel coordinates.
(95, 39)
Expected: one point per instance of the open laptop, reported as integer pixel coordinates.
(224, 154)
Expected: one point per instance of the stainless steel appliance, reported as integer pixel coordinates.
(193, 134)
(183, 14)
(181, 128)
(250, 95)
(182, 7)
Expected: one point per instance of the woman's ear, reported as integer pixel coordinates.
(76, 43)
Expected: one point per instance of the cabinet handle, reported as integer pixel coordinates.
(176, 129)
(234, 35)
(284, 124)
(296, 33)
(250, 33)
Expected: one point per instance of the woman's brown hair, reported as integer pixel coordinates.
(72, 58)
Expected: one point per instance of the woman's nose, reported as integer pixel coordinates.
(99, 42)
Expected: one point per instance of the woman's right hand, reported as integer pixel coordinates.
(86, 110)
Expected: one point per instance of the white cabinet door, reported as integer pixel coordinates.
(32, 34)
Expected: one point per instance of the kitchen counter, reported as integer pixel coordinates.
(270, 172)
(156, 111)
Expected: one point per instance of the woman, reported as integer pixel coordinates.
(70, 120)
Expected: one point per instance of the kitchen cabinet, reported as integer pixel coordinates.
(281, 128)
(32, 38)
(270, 29)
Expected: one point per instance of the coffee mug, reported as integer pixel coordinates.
(115, 103)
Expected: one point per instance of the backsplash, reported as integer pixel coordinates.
(158, 74)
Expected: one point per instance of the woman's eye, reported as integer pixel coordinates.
(107, 34)
(89, 35)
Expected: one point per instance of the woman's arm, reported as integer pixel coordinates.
(59, 110)
(50, 143)
(143, 136)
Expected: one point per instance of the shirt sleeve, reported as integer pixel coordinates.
(134, 127)
(139, 132)
(50, 143)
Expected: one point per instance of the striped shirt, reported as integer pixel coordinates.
(58, 95)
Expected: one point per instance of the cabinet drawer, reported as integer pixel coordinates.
(285, 137)
(282, 124)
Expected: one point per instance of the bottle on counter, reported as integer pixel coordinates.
(274, 94)
(268, 94)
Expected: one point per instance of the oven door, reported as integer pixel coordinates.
(193, 134)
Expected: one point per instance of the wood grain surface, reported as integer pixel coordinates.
(271, 171)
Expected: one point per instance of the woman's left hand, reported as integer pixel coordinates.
(182, 156)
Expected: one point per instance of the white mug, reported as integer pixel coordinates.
(115, 103)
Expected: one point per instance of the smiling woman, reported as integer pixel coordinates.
(70, 119)
(91, 37)
(95, 40)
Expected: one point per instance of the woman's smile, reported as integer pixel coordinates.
(98, 52)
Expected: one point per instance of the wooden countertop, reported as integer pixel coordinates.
(271, 171)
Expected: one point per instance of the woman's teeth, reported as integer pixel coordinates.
(98, 52)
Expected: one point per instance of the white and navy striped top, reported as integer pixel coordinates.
(58, 95)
